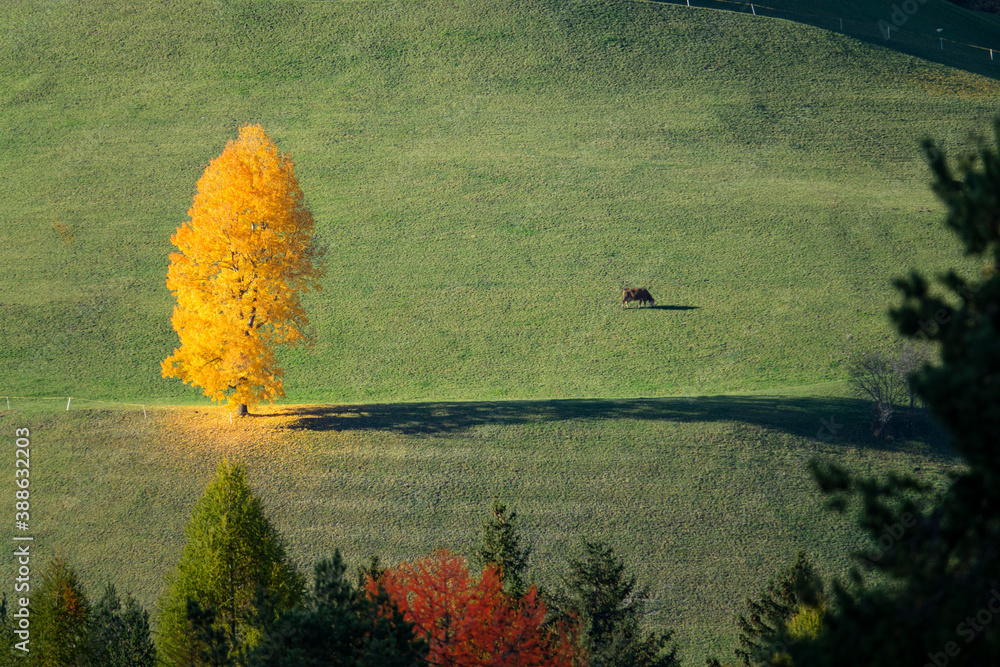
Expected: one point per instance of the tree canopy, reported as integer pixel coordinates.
(470, 623)
(338, 624)
(609, 603)
(501, 547)
(245, 256)
(232, 553)
(61, 612)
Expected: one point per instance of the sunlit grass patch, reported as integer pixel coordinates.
(959, 85)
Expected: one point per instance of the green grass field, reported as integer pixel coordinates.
(705, 498)
(486, 176)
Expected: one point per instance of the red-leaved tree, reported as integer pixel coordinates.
(471, 623)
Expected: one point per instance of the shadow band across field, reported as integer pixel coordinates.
(827, 419)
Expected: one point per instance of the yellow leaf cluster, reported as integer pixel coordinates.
(245, 256)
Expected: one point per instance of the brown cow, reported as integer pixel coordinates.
(640, 295)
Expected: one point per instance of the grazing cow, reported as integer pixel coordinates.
(640, 295)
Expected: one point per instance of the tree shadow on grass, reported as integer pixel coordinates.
(826, 419)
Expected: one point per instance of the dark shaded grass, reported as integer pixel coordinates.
(803, 417)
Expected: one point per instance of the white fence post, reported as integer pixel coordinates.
(67, 403)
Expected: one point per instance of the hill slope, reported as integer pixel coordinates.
(486, 176)
(704, 499)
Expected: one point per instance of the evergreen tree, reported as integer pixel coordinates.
(337, 625)
(610, 605)
(231, 552)
(211, 639)
(120, 637)
(501, 547)
(941, 602)
(60, 618)
(764, 632)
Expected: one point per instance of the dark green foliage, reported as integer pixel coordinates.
(231, 553)
(60, 616)
(211, 639)
(943, 564)
(763, 631)
(338, 625)
(610, 604)
(373, 570)
(120, 636)
(501, 546)
(7, 636)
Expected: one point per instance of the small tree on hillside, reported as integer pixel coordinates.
(788, 603)
(120, 635)
(501, 547)
(610, 605)
(61, 616)
(245, 256)
(870, 375)
(232, 551)
(883, 377)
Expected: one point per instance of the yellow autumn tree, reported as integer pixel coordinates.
(245, 257)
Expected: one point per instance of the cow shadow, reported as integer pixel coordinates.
(675, 307)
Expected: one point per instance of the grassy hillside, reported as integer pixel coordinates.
(705, 498)
(486, 175)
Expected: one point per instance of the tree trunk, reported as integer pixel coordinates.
(241, 410)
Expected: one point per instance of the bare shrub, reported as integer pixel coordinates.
(884, 379)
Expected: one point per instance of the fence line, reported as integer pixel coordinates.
(70, 399)
(867, 29)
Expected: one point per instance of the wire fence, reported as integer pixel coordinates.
(888, 31)
(16, 402)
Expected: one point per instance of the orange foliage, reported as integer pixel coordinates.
(70, 604)
(473, 623)
(245, 256)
